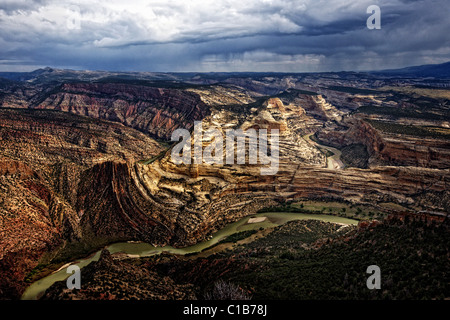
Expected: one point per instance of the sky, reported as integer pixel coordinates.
(222, 35)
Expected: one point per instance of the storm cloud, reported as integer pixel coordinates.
(221, 35)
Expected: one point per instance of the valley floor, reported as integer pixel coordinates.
(303, 259)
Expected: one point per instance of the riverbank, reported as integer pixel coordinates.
(334, 159)
(272, 219)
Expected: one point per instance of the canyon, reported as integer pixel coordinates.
(85, 163)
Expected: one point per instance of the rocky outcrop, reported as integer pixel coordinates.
(71, 176)
(389, 148)
(156, 111)
(319, 108)
(32, 221)
(43, 157)
(191, 201)
(111, 206)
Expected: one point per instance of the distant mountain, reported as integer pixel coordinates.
(26, 76)
(46, 75)
(430, 70)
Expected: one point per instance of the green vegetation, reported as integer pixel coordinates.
(354, 90)
(238, 236)
(233, 238)
(29, 278)
(70, 251)
(417, 91)
(412, 256)
(151, 160)
(169, 84)
(49, 115)
(417, 131)
(293, 236)
(423, 111)
(343, 209)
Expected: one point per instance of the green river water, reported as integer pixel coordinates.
(139, 249)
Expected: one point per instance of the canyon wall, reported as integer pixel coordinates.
(44, 156)
(71, 169)
(388, 148)
(157, 111)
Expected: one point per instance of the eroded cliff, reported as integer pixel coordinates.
(70, 177)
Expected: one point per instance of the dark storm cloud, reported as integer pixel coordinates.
(221, 35)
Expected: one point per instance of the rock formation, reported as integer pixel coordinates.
(78, 165)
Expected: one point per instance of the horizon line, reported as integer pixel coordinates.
(223, 72)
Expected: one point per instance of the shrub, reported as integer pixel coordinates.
(226, 291)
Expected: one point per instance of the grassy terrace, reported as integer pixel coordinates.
(395, 112)
(417, 131)
(352, 90)
(418, 91)
(168, 84)
(342, 209)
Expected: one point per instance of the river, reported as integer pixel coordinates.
(333, 162)
(140, 249)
